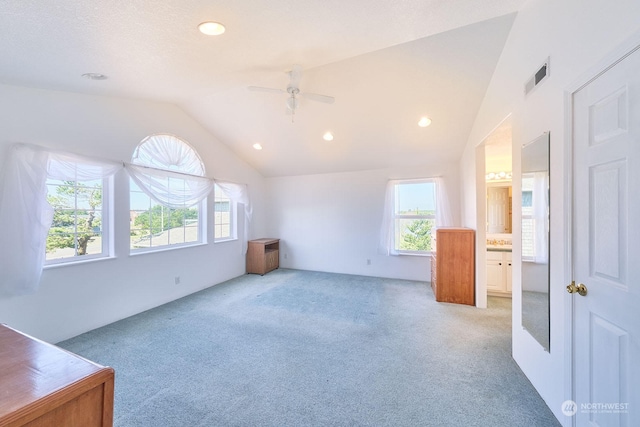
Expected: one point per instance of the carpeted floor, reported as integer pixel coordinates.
(299, 348)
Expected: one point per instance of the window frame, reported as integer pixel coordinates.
(395, 216)
(202, 232)
(107, 229)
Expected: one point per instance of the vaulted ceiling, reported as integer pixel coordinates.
(387, 63)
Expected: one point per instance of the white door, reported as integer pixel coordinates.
(606, 247)
(498, 209)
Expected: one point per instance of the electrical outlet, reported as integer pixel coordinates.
(285, 255)
(368, 262)
(177, 280)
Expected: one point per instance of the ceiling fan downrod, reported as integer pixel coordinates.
(292, 102)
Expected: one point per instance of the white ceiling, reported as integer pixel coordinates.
(387, 63)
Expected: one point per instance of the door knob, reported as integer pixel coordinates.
(579, 288)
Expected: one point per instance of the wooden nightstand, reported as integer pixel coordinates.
(263, 255)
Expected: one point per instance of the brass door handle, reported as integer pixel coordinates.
(579, 289)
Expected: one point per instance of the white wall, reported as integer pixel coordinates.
(331, 222)
(77, 298)
(576, 34)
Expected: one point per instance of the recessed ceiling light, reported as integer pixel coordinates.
(211, 28)
(257, 146)
(424, 122)
(94, 76)
(328, 136)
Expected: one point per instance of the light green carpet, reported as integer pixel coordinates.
(299, 348)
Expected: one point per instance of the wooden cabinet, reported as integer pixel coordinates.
(42, 385)
(499, 272)
(263, 255)
(453, 266)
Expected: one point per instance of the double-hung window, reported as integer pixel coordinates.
(224, 214)
(414, 216)
(80, 226)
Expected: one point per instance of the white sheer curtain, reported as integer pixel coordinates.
(172, 189)
(163, 151)
(540, 204)
(238, 193)
(386, 245)
(27, 215)
(444, 218)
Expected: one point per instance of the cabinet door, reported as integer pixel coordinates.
(272, 260)
(508, 269)
(495, 281)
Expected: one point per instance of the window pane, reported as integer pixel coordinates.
(528, 233)
(191, 234)
(78, 220)
(416, 199)
(414, 234)
(222, 218)
(60, 245)
(89, 244)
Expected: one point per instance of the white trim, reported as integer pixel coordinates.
(107, 234)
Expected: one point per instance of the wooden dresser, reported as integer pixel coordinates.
(263, 255)
(42, 385)
(453, 266)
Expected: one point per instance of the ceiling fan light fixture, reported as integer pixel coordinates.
(211, 28)
(257, 146)
(424, 122)
(328, 136)
(292, 103)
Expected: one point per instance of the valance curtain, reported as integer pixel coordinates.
(27, 215)
(444, 217)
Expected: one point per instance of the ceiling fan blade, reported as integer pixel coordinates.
(317, 97)
(264, 89)
(295, 75)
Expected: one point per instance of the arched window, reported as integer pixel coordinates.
(168, 192)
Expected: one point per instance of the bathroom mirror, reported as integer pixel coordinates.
(535, 239)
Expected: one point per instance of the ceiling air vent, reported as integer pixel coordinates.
(537, 78)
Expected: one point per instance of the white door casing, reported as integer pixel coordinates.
(606, 247)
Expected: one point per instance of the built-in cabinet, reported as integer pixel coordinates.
(453, 266)
(499, 272)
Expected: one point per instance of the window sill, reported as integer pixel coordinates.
(418, 254)
(76, 262)
(225, 240)
(164, 249)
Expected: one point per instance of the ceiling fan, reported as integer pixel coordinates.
(293, 91)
